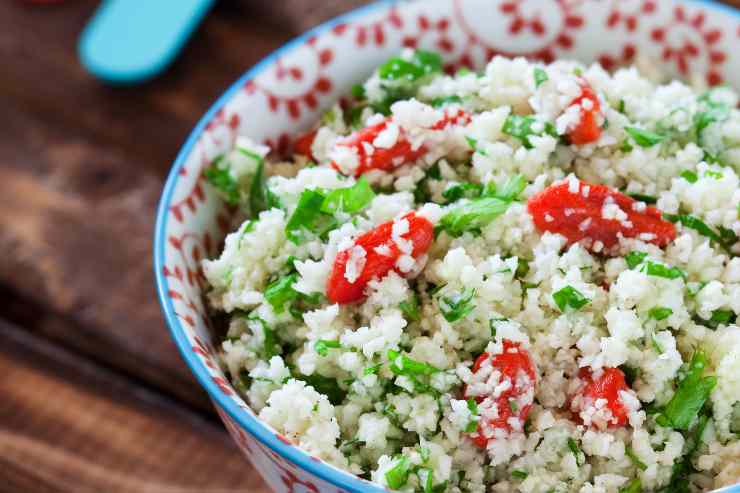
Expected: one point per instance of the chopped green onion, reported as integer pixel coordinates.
(462, 190)
(428, 481)
(693, 390)
(424, 453)
(398, 475)
(656, 344)
(719, 317)
(644, 138)
(458, 307)
(350, 200)
(713, 174)
(660, 312)
(322, 346)
(260, 196)
(620, 106)
(473, 408)
(520, 127)
(540, 76)
(281, 292)
(519, 474)
(513, 406)
(633, 457)
(569, 297)
(510, 190)
(725, 240)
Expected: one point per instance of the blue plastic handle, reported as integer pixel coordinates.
(129, 41)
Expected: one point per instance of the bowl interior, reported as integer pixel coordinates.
(287, 91)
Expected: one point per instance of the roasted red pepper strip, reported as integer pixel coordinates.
(584, 212)
(512, 405)
(458, 117)
(607, 385)
(303, 144)
(385, 159)
(381, 252)
(588, 129)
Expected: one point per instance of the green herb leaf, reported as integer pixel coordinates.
(473, 215)
(398, 475)
(519, 474)
(421, 64)
(350, 200)
(371, 370)
(462, 190)
(634, 259)
(634, 486)
(472, 426)
(633, 457)
(521, 127)
(644, 138)
(457, 307)
(569, 297)
(443, 101)
(260, 196)
(509, 191)
(660, 312)
(325, 385)
(220, 178)
(322, 346)
(573, 446)
(410, 308)
(701, 227)
(648, 199)
(693, 390)
(540, 76)
(656, 344)
(307, 217)
(281, 292)
(403, 365)
(659, 270)
(358, 91)
(689, 176)
(719, 317)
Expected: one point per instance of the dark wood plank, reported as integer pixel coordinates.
(69, 426)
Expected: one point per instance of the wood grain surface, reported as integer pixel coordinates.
(95, 397)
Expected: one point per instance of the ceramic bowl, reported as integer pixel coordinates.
(287, 91)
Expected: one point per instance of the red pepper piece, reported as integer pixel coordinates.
(515, 366)
(578, 215)
(607, 385)
(588, 129)
(385, 159)
(377, 264)
(459, 117)
(303, 143)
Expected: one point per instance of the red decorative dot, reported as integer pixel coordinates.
(293, 109)
(713, 36)
(679, 13)
(395, 19)
(698, 19)
(445, 44)
(361, 37)
(516, 25)
(574, 21)
(296, 73)
(714, 78)
(508, 7)
(325, 56)
(443, 24)
(629, 52)
(379, 34)
(175, 242)
(409, 42)
(323, 84)
(658, 34)
(538, 28)
(717, 57)
(631, 23)
(310, 100)
(613, 19)
(423, 23)
(339, 29)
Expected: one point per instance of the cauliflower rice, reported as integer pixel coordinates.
(513, 349)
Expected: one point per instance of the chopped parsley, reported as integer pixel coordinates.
(725, 238)
(422, 63)
(633, 457)
(473, 408)
(540, 76)
(691, 393)
(220, 178)
(400, 364)
(689, 176)
(576, 451)
(660, 312)
(519, 474)
(398, 475)
(634, 259)
(462, 190)
(410, 308)
(322, 346)
(281, 292)
(644, 138)
(457, 307)
(524, 127)
(634, 486)
(308, 218)
(350, 199)
(442, 101)
(569, 297)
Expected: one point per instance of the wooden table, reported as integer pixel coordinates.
(94, 396)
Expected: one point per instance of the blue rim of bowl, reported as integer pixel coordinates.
(252, 424)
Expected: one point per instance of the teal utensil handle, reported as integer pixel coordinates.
(129, 41)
